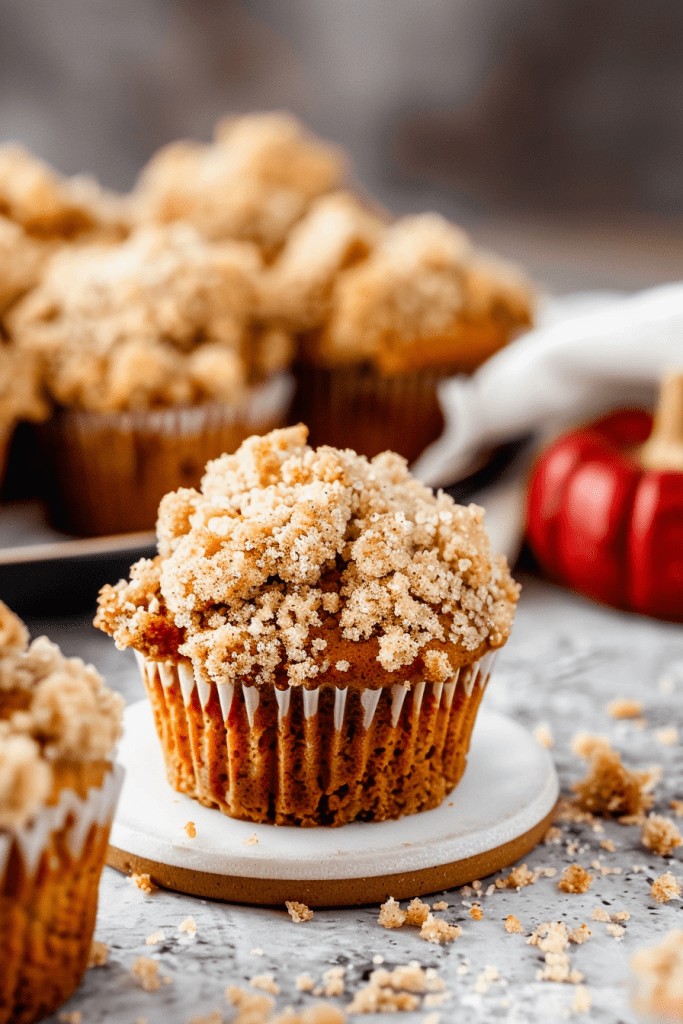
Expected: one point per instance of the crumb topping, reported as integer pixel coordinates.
(287, 548)
(415, 297)
(253, 183)
(158, 319)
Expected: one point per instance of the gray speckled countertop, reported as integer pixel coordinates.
(565, 660)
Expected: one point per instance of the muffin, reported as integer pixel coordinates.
(58, 791)
(153, 364)
(253, 183)
(315, 634)
(423, 305)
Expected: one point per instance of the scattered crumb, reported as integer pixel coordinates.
(608, 844)
(417, 912)
(513, 925)
(391, 991)
(298, 912)
(668, 736)
(600, 915)
(305, 983)
(553, 835)
(604, 869)
(624, 707)
(476, 885)
(609, 788)
(378, 958)
(334, 981)
(542, 872)
(550, 937)
(267, 983)
(432, 1018)
(253, 1008)
(677, 807)
(147, 973)
(442, 905)
(518, 878)
(476, 913)
(251, 841)
(483, 982)
(257, 951)
(189, 925)
(660, 835)
(581, 1003)
(575, 879)
(74, 1017)
(490, 890)
(558, 968)
(621, 915)
(190, 830)
(391, 915)
(544, 735)
(99, 954)
(659, 971)
(143, 882)
(637, 868)
(580, 935)
(464, 968)
(435, 999)
(155, 938)
(438, 931)
(569, 811)
(665, 888)
(215, 1017)
(616, 930)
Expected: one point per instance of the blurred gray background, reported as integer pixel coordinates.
(553, 129)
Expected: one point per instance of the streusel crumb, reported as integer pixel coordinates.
(476, 913)
(518, 878)
(544, 735)
(668, 737)
(665, 888)
(333, 981)
(143, 882)
(74, 1017)
(615, 930)
(147, 973)
(441, 905)
(389, 991)
(251, 841)
(659, 974)
(190, 830)
(245, 565)
(600, 915)
(267, 983)
(580, 935)
(253, 1008)
(624, 707)
(438, 931)
(189, 926)
(513, 925)
(575, 879)
(582, 1002)
(304, 983)
(677, 807)
(155, 938)
(661, 835)
(609, 788)
(391, 915)
(99, 954)
(417, 912)
(298, 912)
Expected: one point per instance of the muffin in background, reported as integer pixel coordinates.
(151, 357)
(422, 306)
(252, 183)
(315, 634)
(58, 791)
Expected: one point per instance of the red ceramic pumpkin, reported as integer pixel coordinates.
(604, 524)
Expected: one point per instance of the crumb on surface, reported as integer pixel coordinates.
(518, 878)
(487, 976)
(624, 707)
(609, 845)
(400, 989)
(257, 951)
(73, 1017)
(189, 926)
(298, 912)
(146, 971)
(391, 915)
(417, 912)
(610, 789)
(438, 931)
(660, 835)
(668, 737)
(143, 882)
(575, 879)
(665, 888)
(601, 915)
(677, 807)
(155, 938)
(582, 1002)
(190, 830)
(440, 905)
(99, 954)
(544, 735)
(476, 913)
(553, 836)
(513, 925)
(251, 841)
(253, 1008)
(304, 983)
(265, 982)
(659, 975)
(580, 935)
(333, 981)
(617, 931)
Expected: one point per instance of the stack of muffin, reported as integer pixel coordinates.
(151, 332)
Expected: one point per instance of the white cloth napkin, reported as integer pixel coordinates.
(591, 353)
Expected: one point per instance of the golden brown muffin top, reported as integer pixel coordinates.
(52, 708)
(158, 319)
(424, 297)
(292, 562)
(253, 183)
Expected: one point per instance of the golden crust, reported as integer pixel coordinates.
(293, 562)
(158, 319)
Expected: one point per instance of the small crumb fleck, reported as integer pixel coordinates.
(464, 968)
(483, 982)
(155, 938)
(143, 882)
(553, 835)
(305, 983)
(298, 912)
(432, 1018)
(257, 951)
(608, 844)
(580, 935)
(624, 707)
(668, 736)
(74, 1017)
(616, 930)
(677, 807)
(252, 1006)
(660, 835)
(189, 925)
(251, 841)
(441, 905)
(147, 973)
(417, 912)
(190, 830)
(518, 878)
(334, 981)
(543, 734)
(391, 915)
(581, 1003)
(621, 915)
(476, 913)
(659, 970)
(600, 915)
(665, 888)
(378, 958)
(267, 983)
(438, 931)
(575, 879)
(99, 954)
(513, 925)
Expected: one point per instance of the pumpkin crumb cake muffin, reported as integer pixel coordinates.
(58, 791)
(315, 634)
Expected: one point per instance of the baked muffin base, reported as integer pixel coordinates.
(320, 756)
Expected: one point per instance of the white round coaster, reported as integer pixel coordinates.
(499, 810)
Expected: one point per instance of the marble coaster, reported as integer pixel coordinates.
(499, 811)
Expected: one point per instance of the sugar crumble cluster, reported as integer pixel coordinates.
(292, 562)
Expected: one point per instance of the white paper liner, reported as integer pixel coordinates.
(96, 809)
(468, 677)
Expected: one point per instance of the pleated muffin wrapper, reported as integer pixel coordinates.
(323, 755)
(110, 470)
(49, 877)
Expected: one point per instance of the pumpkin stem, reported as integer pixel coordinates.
(664, 448)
